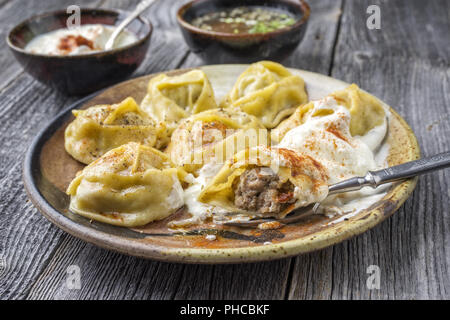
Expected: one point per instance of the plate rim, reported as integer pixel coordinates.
(142, 249)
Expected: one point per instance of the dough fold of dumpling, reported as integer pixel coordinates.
(172, 98)
(98, 129)
(269, 182)
(129, 186)
(213, 136)
(268, 91)
(366, 112)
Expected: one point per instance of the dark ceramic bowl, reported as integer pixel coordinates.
(218, 47)
(84, 73)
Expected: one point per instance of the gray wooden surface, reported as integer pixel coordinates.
(405, 63)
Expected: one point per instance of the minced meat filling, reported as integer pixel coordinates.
(260, 190)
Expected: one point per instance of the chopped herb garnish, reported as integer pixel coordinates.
(249, 19)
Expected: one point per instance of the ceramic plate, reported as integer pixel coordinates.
(48, 169)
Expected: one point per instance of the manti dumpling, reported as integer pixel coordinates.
(213, 136)
(101, 128)
(170, 99)
(366, 112)
(268, 91)
(129, 186)
(268, 182)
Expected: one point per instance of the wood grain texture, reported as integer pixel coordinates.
(406, 63)
(27, 240)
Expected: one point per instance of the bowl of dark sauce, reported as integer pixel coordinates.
(83, 72)
(243, 31)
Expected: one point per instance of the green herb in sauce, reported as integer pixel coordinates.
(244, 20)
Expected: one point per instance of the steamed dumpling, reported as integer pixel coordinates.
(366, 112)
(269, 182)
(170, 99)
(130, 186)
(101, 128)
(268, 91)
(213, 136)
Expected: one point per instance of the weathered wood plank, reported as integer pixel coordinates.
(416, 29)
(28, 240)
(406, 63)
(107, 275)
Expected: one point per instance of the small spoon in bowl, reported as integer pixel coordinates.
(141, 7)
(371, 179)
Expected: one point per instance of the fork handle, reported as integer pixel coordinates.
(399, 172)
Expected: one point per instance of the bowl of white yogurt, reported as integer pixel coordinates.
(74, 60)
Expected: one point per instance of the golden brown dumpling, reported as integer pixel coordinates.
(130, 186)
(268, 91)
(268, 182)
(101, 128)
(214, 136)
(170, 99)
(366, 112)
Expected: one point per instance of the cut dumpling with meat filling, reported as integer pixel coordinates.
(268, 182)
(172, 98)
(100, 128)
(268, 91)
(366, 112)
(213, 136)
(130, 186)
(257, 188)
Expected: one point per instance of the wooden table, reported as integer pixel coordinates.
(405, 63)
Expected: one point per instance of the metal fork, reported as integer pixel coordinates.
(371, 179)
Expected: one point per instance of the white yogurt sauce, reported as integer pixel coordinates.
(176, 196)
(87, 38)
(343, 160)
(199, 211)
(210, 237)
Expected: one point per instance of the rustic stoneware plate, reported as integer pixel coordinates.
(48, 169)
